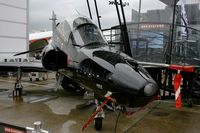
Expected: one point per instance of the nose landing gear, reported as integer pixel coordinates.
(18, 88)
(98, 115)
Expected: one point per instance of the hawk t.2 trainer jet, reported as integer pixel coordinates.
(84, 60)
(79, 51)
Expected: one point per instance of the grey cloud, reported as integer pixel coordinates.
(40, 11)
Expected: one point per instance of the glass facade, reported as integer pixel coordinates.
(150, 32)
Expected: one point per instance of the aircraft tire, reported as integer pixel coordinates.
(98, 123)
(69, 85)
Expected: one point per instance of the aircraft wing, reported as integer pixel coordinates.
(25, 66)
(181, 67)
(151, 64)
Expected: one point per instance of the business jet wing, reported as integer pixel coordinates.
(24, 66)
(27, 66)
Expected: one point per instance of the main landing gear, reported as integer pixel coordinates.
(18, 88)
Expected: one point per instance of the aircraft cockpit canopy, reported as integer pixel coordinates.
(90, 35)
(81, 31)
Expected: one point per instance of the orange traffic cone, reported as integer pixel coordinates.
(177, 90)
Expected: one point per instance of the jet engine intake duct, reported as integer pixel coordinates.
(54, 59)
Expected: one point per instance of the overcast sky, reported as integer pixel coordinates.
(40, 11)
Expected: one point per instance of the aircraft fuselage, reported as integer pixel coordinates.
(79, 48)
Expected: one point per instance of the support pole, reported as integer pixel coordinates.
(88, 4)
(138, 29)
(120, 22)
(172, 33)
(98, 17)
(127, 43)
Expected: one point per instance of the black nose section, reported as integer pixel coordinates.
(130, 81)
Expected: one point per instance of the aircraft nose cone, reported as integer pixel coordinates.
(127, 79)
(130, 81)
(150, 89)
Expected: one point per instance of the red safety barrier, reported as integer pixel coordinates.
(178, 80)
(177, 90)
(182, 68)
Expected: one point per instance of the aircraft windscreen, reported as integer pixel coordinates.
(90, 34)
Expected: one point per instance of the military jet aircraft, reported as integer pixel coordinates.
(80, 54)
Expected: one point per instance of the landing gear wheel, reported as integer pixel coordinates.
(71, 86)
(68, 84)
(98, 123)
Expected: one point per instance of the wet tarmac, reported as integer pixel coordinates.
(60, 112)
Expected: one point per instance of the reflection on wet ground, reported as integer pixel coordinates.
(59, 113)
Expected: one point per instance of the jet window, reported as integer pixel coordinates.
(90, 34)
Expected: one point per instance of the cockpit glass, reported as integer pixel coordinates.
(90, 34)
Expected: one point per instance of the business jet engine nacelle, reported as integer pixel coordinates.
(53, 59)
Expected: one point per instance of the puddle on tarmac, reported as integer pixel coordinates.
(61, 107)
(66, 126)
